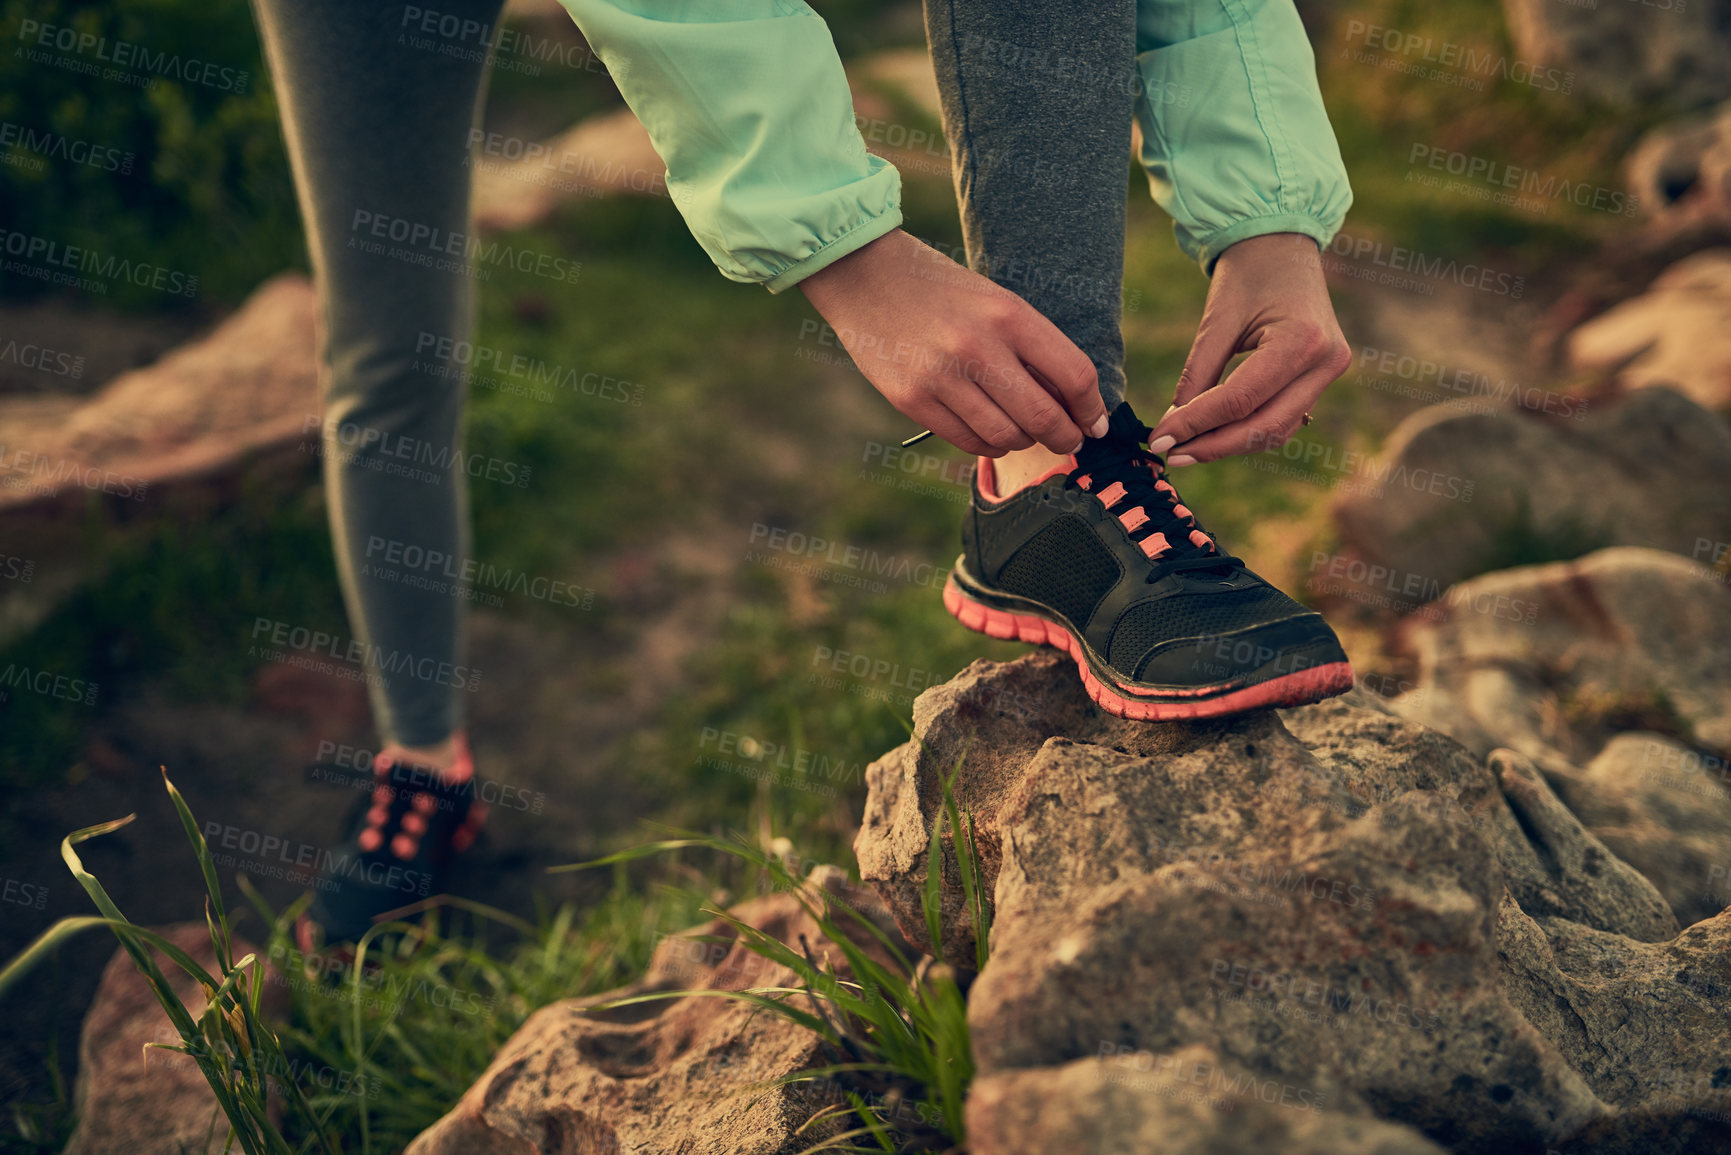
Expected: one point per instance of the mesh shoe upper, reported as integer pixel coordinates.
(1146, 586)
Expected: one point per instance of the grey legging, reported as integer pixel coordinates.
(1037, 103)
(1038, 98)
(377, 118)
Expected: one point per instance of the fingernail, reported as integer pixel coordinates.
(1180, 459)
(1098, 429)
(1162, 444)
(1170, 409)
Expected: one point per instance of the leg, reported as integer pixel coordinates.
(1038, 100)
(378, 131)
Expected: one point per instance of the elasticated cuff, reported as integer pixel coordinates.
(1206, 253)
(851, 241)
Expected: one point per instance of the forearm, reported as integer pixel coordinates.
(747, 105)
(1235, 139)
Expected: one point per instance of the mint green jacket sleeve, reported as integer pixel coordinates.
(747, 105)
(1235, 140)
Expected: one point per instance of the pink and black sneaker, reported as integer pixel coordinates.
(1101, 559)
(397, 846)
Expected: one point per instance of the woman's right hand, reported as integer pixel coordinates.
(964, 357)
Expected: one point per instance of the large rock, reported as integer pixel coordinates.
(1664, 809)
(1619, 640)
(1648, 1025)
(1677, 333)
(1462, 494)
(1185, 1103)
(1622, 52)
(682, 1076)
(1315, 899)
(147, 1101)
(249, 385)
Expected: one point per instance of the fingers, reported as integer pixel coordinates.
(1063, 370)
(997, 430)
(1215, 345)
(939, 418)
(1271, 425)
(1032, 406)
(1286, 353)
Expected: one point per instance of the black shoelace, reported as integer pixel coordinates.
(1168, 533)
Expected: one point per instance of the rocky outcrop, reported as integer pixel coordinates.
(1185, 1103)
(688, 1076)
(250, 385)
(1620, 53)
(1457, 494)
(1615, 641)
(147, 1101)
(1676, 333)
(1320, 901)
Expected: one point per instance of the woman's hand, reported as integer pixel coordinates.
(964, 357)
(1269, 299)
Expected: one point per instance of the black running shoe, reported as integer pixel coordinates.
(1101, 559)
(397, 845)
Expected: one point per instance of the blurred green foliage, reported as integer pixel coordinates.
(201, 181)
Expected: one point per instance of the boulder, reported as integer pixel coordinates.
(1677, 333)
(1647, 1025)
(1314, 900)
(682, 1076)
(1621, 53)
(1611, 642)
(1663, 808)
(147, 1101)
(1185, 1103)
(251, 384)
(1458, 494)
